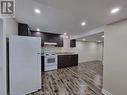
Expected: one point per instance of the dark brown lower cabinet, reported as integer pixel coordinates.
(42, 63)
(67, 60)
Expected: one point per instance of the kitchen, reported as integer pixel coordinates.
(41, 58)
(48, 42)
(63, 47)
(47, 52)
(38, 53)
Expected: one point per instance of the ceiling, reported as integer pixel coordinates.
(93, 38)
(59, 16)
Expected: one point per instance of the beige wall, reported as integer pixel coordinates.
(115, 58)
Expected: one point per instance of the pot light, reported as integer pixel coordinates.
(99, 41)
(103, 36)
(84, 39)
(38, 29)
(83, 23)
(37, 11)
(65, 33)
(115, 10)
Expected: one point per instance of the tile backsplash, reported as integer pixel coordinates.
(65, 48)
(51, 48)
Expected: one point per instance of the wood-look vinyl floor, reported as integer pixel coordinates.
(85, 79)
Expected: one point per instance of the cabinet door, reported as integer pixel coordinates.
(73, 43)
(59, 41)
(67, 60)
(48, 37)
(42, 64)
(74, 60)
(63, 61)
(23, 29)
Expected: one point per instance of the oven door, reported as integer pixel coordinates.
(50, 60)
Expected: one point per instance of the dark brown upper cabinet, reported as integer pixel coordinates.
(48, 37)
(73, 43)
(23, 30)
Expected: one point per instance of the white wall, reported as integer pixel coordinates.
(100, 51)
(87, 51)
(115, 58)
(11, 27)
(2, 59)
(8, 27)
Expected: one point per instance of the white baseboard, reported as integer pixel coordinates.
(80, 62)
(105, 92)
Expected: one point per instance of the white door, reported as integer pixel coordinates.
(25, 64)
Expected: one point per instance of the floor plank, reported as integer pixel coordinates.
(85, 79)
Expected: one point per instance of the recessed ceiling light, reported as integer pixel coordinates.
(99, 41)
(103, 36)
(38, 29)
(83, 23)
(115, 10)
(65, 33)
(84, 39)
(37, 11)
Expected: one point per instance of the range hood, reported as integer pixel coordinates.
(50, 43)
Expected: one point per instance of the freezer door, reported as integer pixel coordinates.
(24, 64)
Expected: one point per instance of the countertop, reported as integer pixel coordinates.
(66, 53)
(63, 53)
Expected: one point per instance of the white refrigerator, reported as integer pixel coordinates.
(24, 65)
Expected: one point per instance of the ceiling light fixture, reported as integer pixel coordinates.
(84, 39)
(37, 11)
(99, 41)
(103, 36)
(65, 33)
(83, 23)
(38, 29)
(115, 10)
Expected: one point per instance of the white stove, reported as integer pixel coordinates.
(50, 61)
